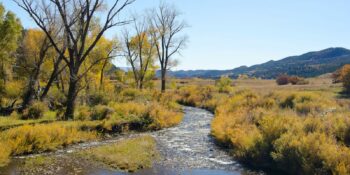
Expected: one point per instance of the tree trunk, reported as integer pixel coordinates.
(102, 75)
(141, 85)
(47, 88)
(72, 94)
(53, 76)
(101, 80)
(30, 92)
(69, 114)
(163, 81)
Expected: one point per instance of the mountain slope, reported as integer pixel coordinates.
(307, 65)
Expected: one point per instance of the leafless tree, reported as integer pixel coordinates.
(77, 18)
(139, 49)
(165, 30)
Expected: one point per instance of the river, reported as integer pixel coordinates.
(186, 149)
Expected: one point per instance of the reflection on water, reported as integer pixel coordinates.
(186, 149)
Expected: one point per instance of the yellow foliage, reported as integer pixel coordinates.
(40, 138)
(4, 154)
(299, 132)
(163, 117)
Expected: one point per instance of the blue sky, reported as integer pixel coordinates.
(225, 34)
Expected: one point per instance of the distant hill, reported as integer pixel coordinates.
(307, 65)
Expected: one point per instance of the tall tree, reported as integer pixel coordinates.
(139, 50)
(77, 18)
(165, 30)
(103, 53)
(35, 47)
(10, 32)
(104, 49)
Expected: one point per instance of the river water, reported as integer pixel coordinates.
(187, 149)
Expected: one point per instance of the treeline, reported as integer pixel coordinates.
(68, 58)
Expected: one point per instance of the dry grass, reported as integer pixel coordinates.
(128, 155)
(39, 138)
(297, 129)
(15, 121)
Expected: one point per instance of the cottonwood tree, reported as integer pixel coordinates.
(77, 18)
(103, 53)
(166, 27)
(139, 50)
(35, 48)
(10, 32)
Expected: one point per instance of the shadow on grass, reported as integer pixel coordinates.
(343, 95)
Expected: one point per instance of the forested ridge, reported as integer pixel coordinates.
(311, 64)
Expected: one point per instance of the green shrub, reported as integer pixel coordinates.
(101, 112)
(35, 111)
(98, 98)
(224, 84)
(56, 98)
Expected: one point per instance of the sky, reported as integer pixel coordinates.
(224, 34)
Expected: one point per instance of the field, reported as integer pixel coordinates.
(266, 125)
(299, 129)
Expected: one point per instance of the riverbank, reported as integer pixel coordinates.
(184, 149)
(133, 110)
(294, 131)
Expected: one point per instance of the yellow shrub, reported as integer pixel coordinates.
(40, 138)
(298, 132)
(163, 118)
(195, 95)
(14, 89)
(220, 125)
(245, 139)
(4, 154)
(130, 109)
(313, 153)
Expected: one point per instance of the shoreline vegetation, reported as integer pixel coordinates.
(126, 155)
(60, 85)
(284, 129)
(143, 111)
(134, 110)
(58, 82)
